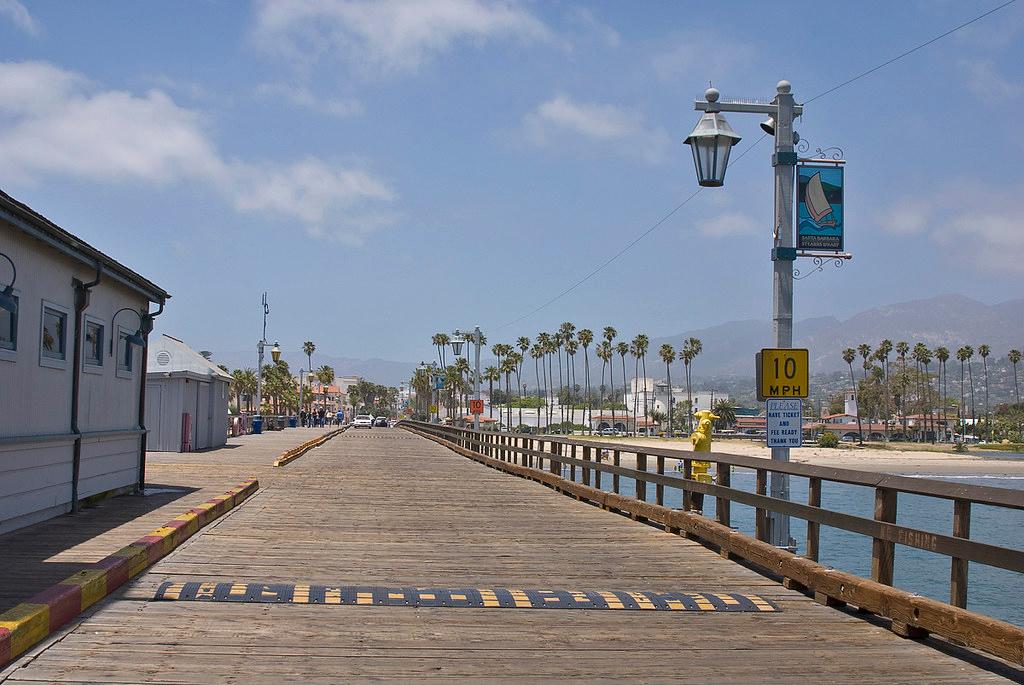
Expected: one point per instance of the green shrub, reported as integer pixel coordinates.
(960, 448)
(828, 440)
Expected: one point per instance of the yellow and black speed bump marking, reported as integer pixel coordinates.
(504, 598)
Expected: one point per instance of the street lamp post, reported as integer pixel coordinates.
(275, 353)
(711, 141)
(457, 341)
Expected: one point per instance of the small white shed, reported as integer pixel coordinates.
(186, 398)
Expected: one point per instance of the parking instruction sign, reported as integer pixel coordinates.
(784, 425)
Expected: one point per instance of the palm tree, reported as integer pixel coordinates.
(308, 348)
(848, 356)
(882, 354)
(942, 354)
(970, 377)
(441, 340)
(962, 355)
(643, 346)
(604, 353)
(726, 411)
(571, 347)
(984, 351)
(565, 333)
(523, 343)
(634, 349)
(691, 348)
(1014, 356)
(586, 336)
(609, 335)
(865, 351)
(668, 355)
(543, 342)
(508, 367)
(421, 385)
(901, 351)
(490, 375)
(623, 349)
(516, 360)
(537, 353)
(926, 360)
(919, 353)
(325, 374)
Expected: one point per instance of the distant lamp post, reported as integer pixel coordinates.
(711, 141)
(458, 340)
(7, 300)
(275, 353)
(132, 338)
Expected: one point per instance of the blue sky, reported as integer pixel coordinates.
(390, 169)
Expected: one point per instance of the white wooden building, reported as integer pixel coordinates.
(71, 371)
(186, 398)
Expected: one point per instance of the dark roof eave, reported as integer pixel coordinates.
(35, 224)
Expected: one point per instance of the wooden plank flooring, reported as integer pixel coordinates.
(384, 507)
(35, 557)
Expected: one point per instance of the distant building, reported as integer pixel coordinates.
(186, 398)
(656, 395)
(71, 371)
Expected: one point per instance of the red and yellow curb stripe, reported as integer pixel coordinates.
(296, 452)
(40, 615)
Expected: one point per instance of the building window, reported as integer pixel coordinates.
(93, 353)
(124, 352)
(54, 342)
(8, 329)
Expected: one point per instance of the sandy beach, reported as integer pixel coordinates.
(907, 462)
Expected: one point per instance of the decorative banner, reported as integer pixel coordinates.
(819, 213)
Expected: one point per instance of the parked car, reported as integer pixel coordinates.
(362, 421)
(608, 431)
(381, 422)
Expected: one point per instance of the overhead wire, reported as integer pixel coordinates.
(697, 192)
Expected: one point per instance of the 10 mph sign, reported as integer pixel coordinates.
(782, 373)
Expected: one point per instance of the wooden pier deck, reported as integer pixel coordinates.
(388, 508)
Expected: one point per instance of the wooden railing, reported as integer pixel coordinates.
(544, 458)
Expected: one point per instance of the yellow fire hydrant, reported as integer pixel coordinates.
(700, 471)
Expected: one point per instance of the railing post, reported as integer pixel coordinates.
(641, 485)
(883, 551)
(597, 471)
(687, 476)
(615, 476)
(586, 470)
(540, 460)
(572, 467)
(659, 489)
(958, 568)
(555, 466)
(760, 515)
(813, 528)
(722, 513)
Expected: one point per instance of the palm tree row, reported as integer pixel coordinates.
(913, 390)
(555, 353)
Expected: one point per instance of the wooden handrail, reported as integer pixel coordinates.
(882, 529)
(911, 615)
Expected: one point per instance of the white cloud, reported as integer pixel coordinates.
(619, 129)
(18, 15)
(57, 123)
(976, 224)
(590, 25)
(984, 80)
(385, 36)
(729, 224)
(300, 96)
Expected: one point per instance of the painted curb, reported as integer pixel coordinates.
(34, 619)
(296, 452)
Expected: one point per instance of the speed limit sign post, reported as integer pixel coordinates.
(782, 372)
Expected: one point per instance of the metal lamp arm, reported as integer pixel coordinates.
(14, 269)
(112, 319)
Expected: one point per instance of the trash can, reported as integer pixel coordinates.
(292, 422)
(257, 425)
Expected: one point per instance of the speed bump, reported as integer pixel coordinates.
(475, 598)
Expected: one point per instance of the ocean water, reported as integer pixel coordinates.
(991, 591)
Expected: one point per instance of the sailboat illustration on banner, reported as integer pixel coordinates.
(817, 205)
